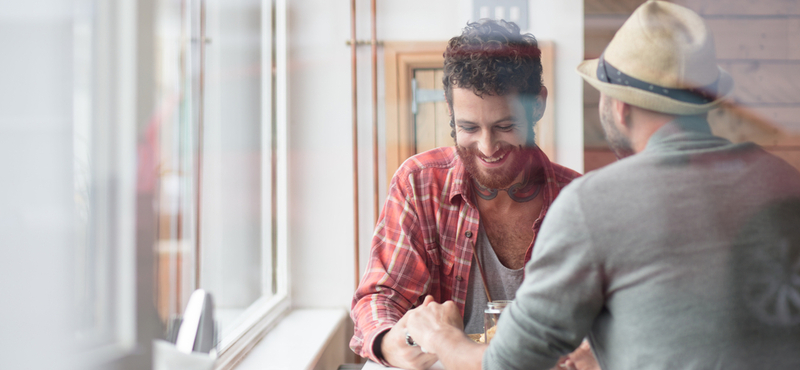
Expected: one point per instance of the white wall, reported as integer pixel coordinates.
(321, 235)
(562, 22)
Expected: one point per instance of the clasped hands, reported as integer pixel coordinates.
(432, 324)
(419, 324)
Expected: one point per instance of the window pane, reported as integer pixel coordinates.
(170, 128)
(232, 229)
(215, 199)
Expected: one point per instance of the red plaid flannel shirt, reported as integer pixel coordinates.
(420, 245)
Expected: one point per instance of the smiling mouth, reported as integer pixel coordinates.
(493, 159)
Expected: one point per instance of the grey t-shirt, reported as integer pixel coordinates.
(503, 283)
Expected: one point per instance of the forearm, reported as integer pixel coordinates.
(456, 350)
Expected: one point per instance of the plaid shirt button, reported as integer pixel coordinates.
(468, 234)
(459, 278)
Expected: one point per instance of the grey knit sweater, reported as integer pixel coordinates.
(684, 256)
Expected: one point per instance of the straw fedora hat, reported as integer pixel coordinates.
(662, 59)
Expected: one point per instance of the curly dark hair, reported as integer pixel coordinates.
(492, 57)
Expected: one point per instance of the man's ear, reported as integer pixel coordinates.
(622, 115)
(539, 105)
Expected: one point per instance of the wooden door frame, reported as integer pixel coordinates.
(402, 58)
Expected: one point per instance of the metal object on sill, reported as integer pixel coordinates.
(196, 331)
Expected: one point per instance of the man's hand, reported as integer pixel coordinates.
(581, 359)
(398, 353)
(432, 318)
(438, 328)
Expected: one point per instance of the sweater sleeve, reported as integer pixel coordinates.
(560, 297)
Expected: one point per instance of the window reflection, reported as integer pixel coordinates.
(215, 146)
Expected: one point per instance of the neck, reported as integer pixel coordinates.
(523, 191)
(644, 123)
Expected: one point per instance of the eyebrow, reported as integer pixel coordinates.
(468, 122)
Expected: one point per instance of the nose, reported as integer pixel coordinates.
(486, 143)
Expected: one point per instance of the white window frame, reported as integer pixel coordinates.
(265, 313)
(113, 107)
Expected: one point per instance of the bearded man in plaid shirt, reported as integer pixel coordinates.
(482, 200)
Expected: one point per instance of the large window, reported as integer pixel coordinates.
(211, 160)
(103, 304)
(221, 149)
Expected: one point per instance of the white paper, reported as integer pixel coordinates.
(167, 357)
(370, 365)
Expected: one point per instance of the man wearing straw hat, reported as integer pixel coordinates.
(685, 254)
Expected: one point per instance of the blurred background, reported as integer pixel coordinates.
(149, 148)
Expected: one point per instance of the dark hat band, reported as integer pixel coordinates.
(701, 95)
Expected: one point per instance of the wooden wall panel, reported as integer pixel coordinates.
(762, 39)
(590, 94)
(594, 158)
(787, 117)
(794, 43)
(593, 135)
(595, 41)
(765, 82)
(738, 7)
(770, 39)
(736, 125)
(704, 7)
(606, 7)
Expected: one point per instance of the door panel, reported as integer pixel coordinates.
(431, 118)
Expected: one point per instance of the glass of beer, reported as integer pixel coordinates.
(490, 316)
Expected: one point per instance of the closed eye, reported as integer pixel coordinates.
(505, 127)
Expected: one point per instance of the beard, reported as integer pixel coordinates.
(496, 178)
(619, 143)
